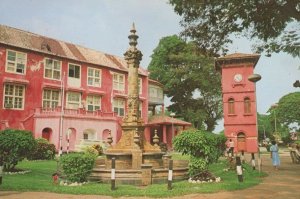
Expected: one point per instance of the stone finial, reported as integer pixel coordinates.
(133, 28)
(155, 138)
(136, 138)
(133, 55)
(133, 37)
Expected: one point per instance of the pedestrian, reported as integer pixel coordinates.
(275, 155)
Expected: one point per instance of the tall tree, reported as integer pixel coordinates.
(274, 24)
(190, 80)
(288, 109)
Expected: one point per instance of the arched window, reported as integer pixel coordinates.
(247, 105)
(71, 138)
(231, 106)
(46, 133)
(241, 141)
(105, 134)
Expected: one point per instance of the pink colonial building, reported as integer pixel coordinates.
(62, 91)
(239, 101)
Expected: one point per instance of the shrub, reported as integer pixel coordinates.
(15, 145)
(43, 150)
(42, 140)
(89, 150)
(77, 167)
(203, 147)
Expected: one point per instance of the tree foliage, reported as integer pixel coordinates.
(273, 23)
(189, 79)
(266, 126)
(203, 147)
(15, 145)
(288, 109)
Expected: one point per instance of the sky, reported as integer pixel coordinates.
(104, 25)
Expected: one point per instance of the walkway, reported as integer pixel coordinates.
(281, 184)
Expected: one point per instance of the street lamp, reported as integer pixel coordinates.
(172, 115)
(274, 106)
(255, 78)
(264, 130)
(297, 84)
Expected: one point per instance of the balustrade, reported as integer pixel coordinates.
(73, 112)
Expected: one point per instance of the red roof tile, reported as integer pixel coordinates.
(151, 81)
(30, 41)
(163, 119)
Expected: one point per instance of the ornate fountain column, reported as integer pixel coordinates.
(132, 140)
(133, 56)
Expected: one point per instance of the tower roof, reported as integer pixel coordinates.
(236, 58)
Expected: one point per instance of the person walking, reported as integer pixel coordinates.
(231, 147)
(275, 155)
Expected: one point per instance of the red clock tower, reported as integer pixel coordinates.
(239, 100)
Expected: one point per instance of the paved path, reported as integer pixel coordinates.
(281, 184)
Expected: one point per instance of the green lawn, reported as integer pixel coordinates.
(40, 179)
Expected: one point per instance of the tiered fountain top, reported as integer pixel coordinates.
(133, 55)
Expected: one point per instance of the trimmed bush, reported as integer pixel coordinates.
(15, 145)
(203, 147)
(77, 166)
(43, 150)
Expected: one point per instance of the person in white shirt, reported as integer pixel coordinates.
(231, 146)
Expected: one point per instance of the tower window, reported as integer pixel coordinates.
(247, 105)
(231, 106)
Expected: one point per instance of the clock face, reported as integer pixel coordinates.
(238, 78)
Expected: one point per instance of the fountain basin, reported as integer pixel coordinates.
(146, 175)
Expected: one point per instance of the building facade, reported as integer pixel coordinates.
(65, 92)
(239, 100)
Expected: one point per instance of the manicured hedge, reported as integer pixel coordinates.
(203, 147)
(76, 167)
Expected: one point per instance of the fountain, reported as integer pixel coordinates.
(136, 160)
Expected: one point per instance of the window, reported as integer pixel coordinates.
(247, 105)
(73, 100)
(52, 69)
(85, 136)
(50, 98)
(140, 85)
(94, 77)
(118, 82)
(15, 62)
(74, 71)
(93, 102)
(231, 106)
(14, 96)
(119, 106)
